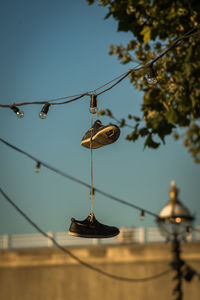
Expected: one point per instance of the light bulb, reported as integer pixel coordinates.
(152, 80)
(37, 167)
(178, 220)
(93, 110)
(44, 111)
(93, 104)
(42, 115)
(142, 215)
(18, 112)
(151, 75)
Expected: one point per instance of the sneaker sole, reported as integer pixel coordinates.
(93, 236)
(101, 135)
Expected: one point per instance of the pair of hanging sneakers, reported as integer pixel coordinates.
(96, 137)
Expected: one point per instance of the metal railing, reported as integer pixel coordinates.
(127, 235)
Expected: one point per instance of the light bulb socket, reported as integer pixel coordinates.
(151, 74)
(45, 108)
(93, 104)
(15, 109)
(44, 111)
(37, 167)
(142, 215)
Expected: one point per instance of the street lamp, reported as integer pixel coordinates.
(174, 219)
(175, 222)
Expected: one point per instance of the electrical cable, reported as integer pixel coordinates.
(175, 43)
(122, 76)
(94, 189)
(78, 180)
(80, 261)
(118, 77)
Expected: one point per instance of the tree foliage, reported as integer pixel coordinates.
(174, 102)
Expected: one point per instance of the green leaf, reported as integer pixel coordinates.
(133, 136)
(143, 131)
(108, 112)
(151, 143)
(146, 32)
(122, 123)
(101, 112)
(171, 116)
(136, 119)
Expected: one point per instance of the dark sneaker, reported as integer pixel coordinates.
(91, 228)
(100, 135)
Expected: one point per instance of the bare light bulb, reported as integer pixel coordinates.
(93, 110)
(151, 75)
(44, 111)
(42, 115)
(19, 113)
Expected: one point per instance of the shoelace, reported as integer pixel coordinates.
(91, 165)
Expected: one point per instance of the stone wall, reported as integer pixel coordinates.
(50, 274)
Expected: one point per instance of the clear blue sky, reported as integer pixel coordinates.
(52, 49)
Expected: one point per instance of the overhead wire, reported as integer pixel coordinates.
(116, 199)
(77, 97)
(80, 261)
(175, 43)
(81, 182)
(119, 78)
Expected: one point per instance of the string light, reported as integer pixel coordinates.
(44, 111)
(151, 75)
(37, 167)
(142, 214)
(18, 112)
(93, 104)
(68, 176)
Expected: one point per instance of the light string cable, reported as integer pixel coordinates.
(116, 199)
(165, 51)
(174, 44)
(80, 261)
(121, 77)
(92, 189)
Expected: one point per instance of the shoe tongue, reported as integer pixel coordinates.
(97, 124)
(91, 218)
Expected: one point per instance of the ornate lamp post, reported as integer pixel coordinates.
(175, 223)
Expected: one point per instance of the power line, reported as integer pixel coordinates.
(80, 261)
(116, 199)
(70, 177)
(119, 78)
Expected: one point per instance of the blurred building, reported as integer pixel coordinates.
(48, 273)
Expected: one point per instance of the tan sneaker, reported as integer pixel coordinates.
(99, 135)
